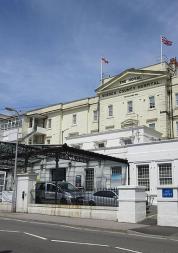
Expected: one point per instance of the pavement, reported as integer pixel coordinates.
(148, 226)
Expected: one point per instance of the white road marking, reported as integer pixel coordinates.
(136, 234)
(95, 244)
(148, 236)
(66, 226)
(81, 243)
(9, 231)
(37, 236)
(175, 240)
(129, 250)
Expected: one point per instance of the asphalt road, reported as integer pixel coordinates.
(17, 236)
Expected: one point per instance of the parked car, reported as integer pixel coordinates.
(60, 192)
(102, 198)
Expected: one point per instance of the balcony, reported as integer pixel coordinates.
(37, 130)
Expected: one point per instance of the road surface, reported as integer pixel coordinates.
(20, 236)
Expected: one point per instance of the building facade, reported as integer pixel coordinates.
(152, 162)
(130, 110)
(136, 97)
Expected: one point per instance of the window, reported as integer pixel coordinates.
(143, 176)
(110, 110)
(30, 141)
(30, 122)
(51, 187)
(126, 141)
(95, 115)
(116, 173)
(152, 125)
(176, 99)
(49, 123)
(99, 194)
(165, 173)
(74, 119)
(151, 102)
(48, 141)
(73, 134)
(101, 145)
(177, 128)
(2, 180)
(78, 180)
(89, 180)
(129, 106)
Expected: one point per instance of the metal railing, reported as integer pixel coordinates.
(52, 193)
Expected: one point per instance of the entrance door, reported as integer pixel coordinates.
(89, 179)
(59, 175)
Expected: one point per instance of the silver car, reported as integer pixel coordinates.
(60, 192)
(102, 198)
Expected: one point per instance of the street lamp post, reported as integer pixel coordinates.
(15, 162)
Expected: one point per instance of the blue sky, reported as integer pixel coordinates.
(50, 49)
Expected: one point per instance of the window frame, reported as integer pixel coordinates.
(152, 123)
(152, 104)
(176, 99)
(144, 178)
(116, 173)
(129, 106)
(74, 119)
(49, 123)
(30, 122)
(110, 110)
(163, 178)
(95, 115)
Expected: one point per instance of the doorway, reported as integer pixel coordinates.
(59, 175)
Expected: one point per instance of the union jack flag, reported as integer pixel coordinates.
(104, 60)
(165, 41)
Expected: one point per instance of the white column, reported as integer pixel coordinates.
(25, 191)
(132, 204)
(168, 206)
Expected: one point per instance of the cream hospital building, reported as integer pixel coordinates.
(136, 97)
(134, 116)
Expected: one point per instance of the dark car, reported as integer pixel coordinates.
(60, 192)
(102, 198)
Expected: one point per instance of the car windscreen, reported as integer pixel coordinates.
(68, 187)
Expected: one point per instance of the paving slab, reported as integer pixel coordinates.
(149, 229)
(82, 222)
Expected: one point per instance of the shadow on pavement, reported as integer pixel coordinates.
(152, 228)
(6, 251)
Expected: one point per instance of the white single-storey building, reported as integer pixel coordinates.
(152, 162)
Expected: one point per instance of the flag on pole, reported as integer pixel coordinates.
(165, 41)
(104, 60)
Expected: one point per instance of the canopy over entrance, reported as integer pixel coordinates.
(30, 154)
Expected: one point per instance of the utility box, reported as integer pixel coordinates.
(25, 188)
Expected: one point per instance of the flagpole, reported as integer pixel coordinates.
(161, 52)
(101, 63)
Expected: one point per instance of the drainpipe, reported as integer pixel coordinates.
(61, 124)
(88, 114)
(172, 113)
(98, 113)
(128, 175)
